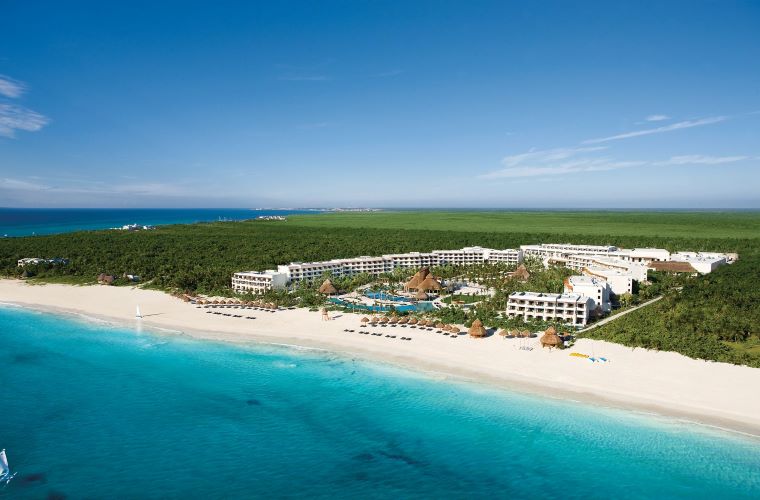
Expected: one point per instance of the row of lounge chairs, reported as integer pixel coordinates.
(230, 315)
(222, 306)
(375, 334)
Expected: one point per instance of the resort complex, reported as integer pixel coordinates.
(310, 271)
(603, 275)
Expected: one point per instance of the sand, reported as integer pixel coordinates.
(666, 383)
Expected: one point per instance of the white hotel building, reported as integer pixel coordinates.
(570, 308)
(598, 290)
(310, 271)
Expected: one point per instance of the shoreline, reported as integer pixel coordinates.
(663, 384)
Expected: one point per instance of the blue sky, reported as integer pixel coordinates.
(628, 104)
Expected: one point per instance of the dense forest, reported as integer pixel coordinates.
(712, 317)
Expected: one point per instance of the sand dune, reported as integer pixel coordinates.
(662, 382)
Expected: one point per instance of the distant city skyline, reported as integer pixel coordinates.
(381, 104)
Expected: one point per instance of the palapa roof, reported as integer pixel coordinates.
(503, 333)
(477, 329)
(521, 273)
(418, 278)
(365, 319)
(403, 321)
(550, 338)
(421, 295)
(328, 288)
(429, 283)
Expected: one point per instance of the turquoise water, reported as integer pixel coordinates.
(89, 411)
(31, 221)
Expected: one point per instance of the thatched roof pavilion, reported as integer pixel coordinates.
(328, 288)
(521, 273)
(550, 338)
(421, 295)
(418, 278)
(429, 284)
(477, 329)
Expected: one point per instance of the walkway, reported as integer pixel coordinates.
(616, 316)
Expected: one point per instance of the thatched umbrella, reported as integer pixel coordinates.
(525, 333)
(439, 325)
(503, 333)
(328, 288)
(403, 321)
(393, 320)
(384, 320)
(413, 321)
(365, 320)
(454, 330)
(477, 329)
(550, 338)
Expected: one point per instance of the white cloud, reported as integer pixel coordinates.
(665, 128)
(14, 118)
(657, 118)
(563, 161)
(10, 87)
(701, 160)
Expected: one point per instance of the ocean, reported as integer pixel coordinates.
(39, 221)
(88, 410)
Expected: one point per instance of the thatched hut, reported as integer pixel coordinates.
(550, 338)
(328, 288)
(477, 329)
(521, 273)
(429, 284)
(421, 295)
(418, 278)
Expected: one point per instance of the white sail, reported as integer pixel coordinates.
(137, 314)
(4, 469)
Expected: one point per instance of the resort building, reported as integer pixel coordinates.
(259, 282)
(620, 282)
(598, 290)
(37, 260)
(642, 255)
(571, 308)
(546, 250)
(311, 271)
(702, 262)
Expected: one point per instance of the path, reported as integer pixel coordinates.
(616, 316)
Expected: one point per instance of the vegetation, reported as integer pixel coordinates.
(712, 317)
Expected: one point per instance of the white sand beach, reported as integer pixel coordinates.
(666, 383)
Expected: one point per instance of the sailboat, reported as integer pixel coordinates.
(5, 471)
(138, 315)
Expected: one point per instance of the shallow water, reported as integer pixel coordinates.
(94, 411)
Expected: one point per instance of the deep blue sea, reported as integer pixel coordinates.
(91, 411)
(30, 221)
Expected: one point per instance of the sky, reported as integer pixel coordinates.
(504, 104)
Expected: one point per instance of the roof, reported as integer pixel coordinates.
(477, 329)
(328, 288)
(673, 267)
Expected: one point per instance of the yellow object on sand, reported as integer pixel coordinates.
(578, 355)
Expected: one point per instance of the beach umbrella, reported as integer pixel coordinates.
(413, 321)
(384, 320)
(550, 338)
(439, 325)
(365, 320)
(477, 329)
(403, 321)
(503, 333)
